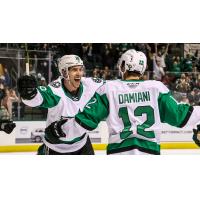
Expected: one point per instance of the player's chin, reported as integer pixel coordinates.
(77, 83)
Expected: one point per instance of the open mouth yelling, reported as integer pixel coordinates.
(77, 80)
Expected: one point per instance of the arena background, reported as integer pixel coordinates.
(99, 177)
(177, 65)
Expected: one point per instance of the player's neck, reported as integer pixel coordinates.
(132, 78)
(70, 87)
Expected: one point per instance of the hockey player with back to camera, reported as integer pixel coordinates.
(134, 110)
(63, 98)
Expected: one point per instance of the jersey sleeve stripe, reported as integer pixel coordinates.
(83, 124)
(187, 117)
(134, 143)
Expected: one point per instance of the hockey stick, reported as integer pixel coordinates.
(27, 59)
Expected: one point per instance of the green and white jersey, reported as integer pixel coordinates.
(61, 104)
(135, 111)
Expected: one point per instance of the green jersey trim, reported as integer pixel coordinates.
(134, 143)
(49, 98)
(95, 111)
(54, 140)
(172, 112)
(187, 117)
(70, 95)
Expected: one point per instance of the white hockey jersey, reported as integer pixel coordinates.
(134, 112)
(61, 104)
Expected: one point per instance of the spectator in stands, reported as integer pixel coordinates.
(158, 71)
(182, 84)
(166, 80)
(184, 99)
(96, 54)
(191, 97)
(161, 53)
(39, 76)
(96, 73)
(2, 82)
(196, 96)
(11, 98)
(191, 80)
(1, 70)
(106, 74)
(198, 82)
(43, 82)
(87, 51)
(108, 56)
(7, 77)
(54, 66)
(176, 66)
(6, 124)
(187, 63)
(4, 107)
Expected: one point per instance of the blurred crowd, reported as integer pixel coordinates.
(7, 95)
(168, 63)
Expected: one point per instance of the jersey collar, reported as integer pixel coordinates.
(70, 95)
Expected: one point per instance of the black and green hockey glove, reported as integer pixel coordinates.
(54, 131)
(7, 126)
(196, 135)
(27, 87)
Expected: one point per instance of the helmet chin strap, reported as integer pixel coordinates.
(67, 78)
(69, 82)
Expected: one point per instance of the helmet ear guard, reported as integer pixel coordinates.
(134, 61)
(122, 67)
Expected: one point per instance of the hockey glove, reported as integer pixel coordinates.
(7, 126)
(54, 131)
(27, 87)
(196, 135)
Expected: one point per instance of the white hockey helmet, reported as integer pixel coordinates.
(134, 61)
(68, 61)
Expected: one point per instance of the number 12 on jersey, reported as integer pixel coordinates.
(139, 111)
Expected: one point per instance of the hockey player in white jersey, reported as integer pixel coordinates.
(134, 110)
(64, 98)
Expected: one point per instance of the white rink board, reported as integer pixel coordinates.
(24, 128)
(7, 139)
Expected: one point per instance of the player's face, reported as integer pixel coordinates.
(75, 73)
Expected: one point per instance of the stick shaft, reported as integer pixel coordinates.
(27, 69)
(27, 60)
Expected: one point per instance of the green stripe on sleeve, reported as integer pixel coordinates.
(49, 98)
(95, 111)
(172, 112)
